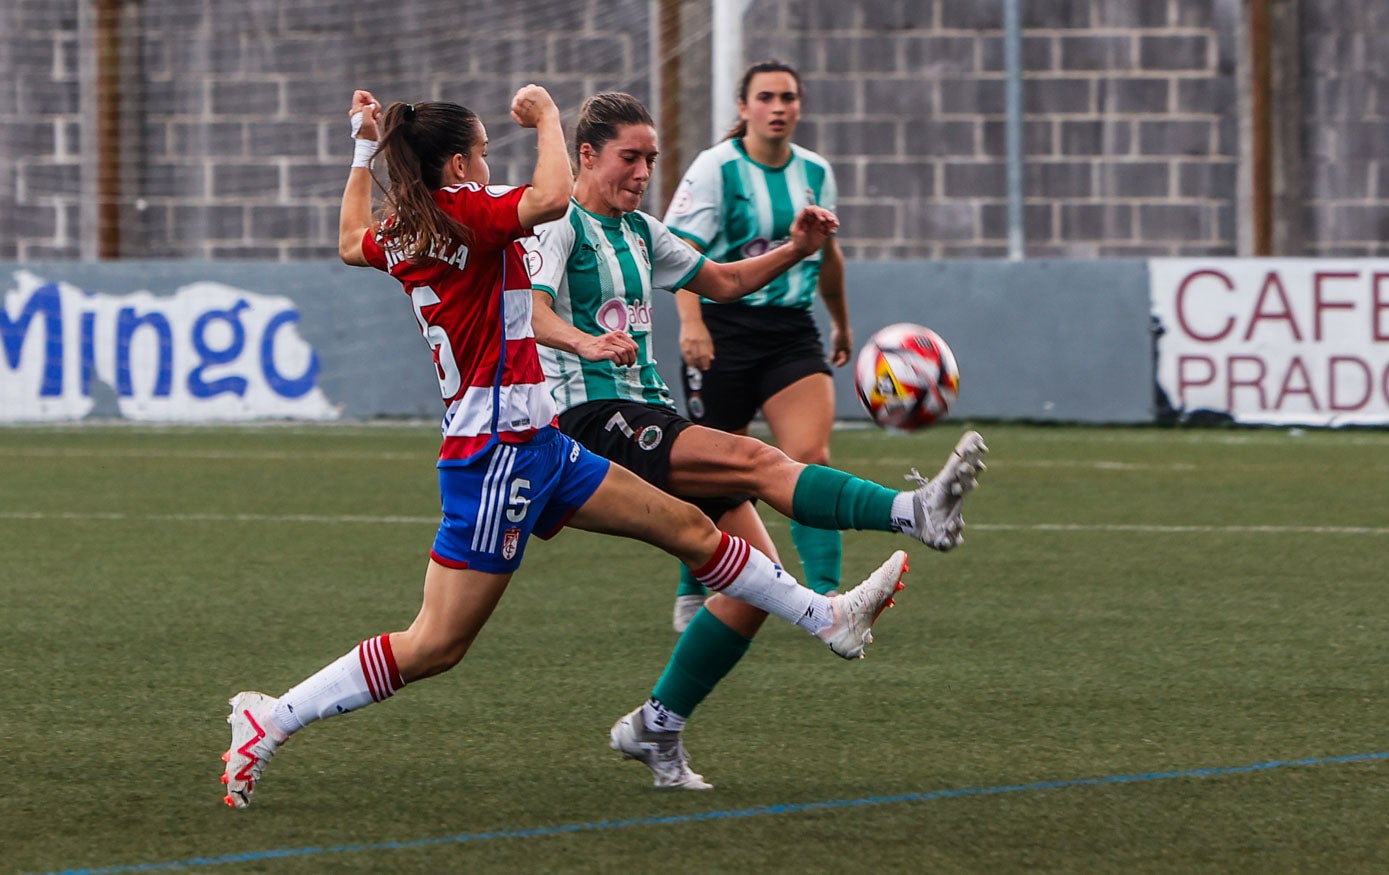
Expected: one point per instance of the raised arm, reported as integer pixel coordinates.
(553, 180)
(355, 215)
(731, 281)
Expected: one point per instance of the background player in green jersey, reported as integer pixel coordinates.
(763, 352)
(593, 272)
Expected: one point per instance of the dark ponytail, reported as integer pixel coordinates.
(416, 141)
(740, 128)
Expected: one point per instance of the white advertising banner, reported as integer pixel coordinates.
(1274, 341)
(208, 352)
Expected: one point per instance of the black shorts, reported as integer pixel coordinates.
(638, 437)
(758, 351)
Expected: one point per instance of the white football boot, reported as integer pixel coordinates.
(857, 610)
(254, 741)
(938, 501)
(662, 752)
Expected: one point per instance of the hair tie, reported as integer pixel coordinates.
(409, 112)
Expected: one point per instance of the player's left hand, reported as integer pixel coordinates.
(841, 345)
(617, 347)
(812, 228)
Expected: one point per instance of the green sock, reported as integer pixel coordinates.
(702, 657)
(820, 551)
(829, 499)
(688, 584)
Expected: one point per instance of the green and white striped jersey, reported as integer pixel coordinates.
(735, 208)
(600, 270)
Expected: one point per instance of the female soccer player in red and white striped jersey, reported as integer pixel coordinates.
(505, 471)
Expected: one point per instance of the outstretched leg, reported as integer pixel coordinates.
(705, 462)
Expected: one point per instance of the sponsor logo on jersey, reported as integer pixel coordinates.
(755, 247)
(511, 539)
(618, 315)
(574, 453)
(682, 202)
(499, 190)
(534, 262)
(649, 438)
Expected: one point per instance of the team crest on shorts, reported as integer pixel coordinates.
(511, 539)
(649, 438)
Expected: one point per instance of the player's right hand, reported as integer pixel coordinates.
(365, 115)
(696, 345)
(531, 104)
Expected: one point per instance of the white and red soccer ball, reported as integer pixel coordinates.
(906, 377)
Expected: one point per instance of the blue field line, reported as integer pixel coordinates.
(542, 831)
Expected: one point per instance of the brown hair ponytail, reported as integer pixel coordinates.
(416, 141)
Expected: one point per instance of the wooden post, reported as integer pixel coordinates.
(1260, 127)
(108, 127)
(670, 165)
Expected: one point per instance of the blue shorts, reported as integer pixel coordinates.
(494, 503)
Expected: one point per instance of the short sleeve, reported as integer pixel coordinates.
(673, 261)
(547, 253)
(491, 213)
(371, 249)
(695, 210)
(829, 193)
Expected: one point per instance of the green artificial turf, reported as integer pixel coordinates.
(1135, 616)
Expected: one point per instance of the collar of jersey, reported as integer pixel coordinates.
(612, 223)
(742, 150)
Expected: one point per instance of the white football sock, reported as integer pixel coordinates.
(363, 675)
(659, 718)
(743, 572)
(903, 513)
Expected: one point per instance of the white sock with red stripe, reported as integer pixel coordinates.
(365, 674)
(743, 572)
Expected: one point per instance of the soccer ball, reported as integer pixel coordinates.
(906, 377)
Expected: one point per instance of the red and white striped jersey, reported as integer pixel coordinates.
(473, 304)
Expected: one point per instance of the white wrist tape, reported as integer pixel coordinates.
(362, 152)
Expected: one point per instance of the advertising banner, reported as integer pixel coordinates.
(209, 351)
(1274, 341)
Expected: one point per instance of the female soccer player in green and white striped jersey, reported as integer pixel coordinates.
(763, 352)
(593, 272)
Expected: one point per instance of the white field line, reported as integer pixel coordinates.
(423, 458)
(365, 519)
(1180, 530)
(311, 518)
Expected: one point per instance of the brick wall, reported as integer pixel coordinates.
(1129, 122)
(234, 142)
(1345, 98)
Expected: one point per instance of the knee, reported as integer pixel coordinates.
(757, 458)
(699, 536)
(432, 656)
